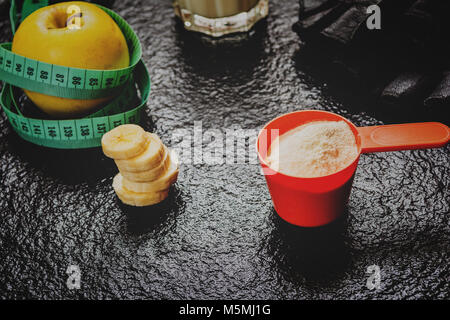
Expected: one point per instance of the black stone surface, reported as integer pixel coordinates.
(218, 236)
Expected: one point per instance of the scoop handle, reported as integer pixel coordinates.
(395, 137)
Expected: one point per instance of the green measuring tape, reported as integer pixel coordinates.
(74, 83)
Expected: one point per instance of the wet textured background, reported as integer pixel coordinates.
(218, 235)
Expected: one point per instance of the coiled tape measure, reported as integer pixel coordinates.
(74, 83)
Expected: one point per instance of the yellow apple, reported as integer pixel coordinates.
(90, 40)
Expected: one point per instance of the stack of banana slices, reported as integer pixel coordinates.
(147, 167)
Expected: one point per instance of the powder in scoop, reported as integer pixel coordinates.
(314, 149)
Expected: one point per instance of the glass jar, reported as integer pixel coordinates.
(220, 17)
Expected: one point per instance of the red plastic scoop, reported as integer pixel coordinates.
(403, 136)
(311, 202)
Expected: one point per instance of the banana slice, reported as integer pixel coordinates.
(125, 141)
(137, 199)
(147, 160)
(162, 183)
(149, 175)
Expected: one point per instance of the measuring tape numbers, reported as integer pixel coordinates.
(73, 83)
